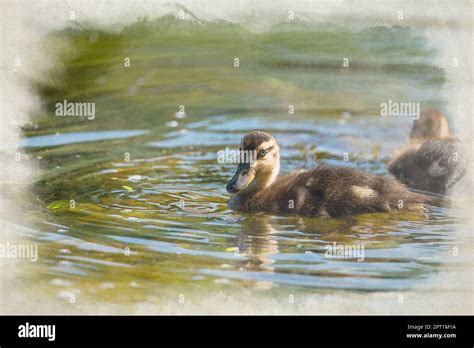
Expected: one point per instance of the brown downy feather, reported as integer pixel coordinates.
(434, 161)
(333, 192)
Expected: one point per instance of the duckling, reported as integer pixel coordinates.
(324, 191)
(432, 162)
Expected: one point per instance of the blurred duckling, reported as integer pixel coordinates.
(433, 161)
(323, 192)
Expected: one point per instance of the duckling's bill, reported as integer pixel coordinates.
(242, 178)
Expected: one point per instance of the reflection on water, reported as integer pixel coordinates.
(78, 137)
(135, 200)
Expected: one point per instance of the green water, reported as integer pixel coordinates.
(149, 209)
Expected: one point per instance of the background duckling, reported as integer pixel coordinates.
(323, 192)
(433, 161)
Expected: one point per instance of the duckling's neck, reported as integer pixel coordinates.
(265, 178)
(417, 142)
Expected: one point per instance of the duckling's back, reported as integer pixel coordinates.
(434, 166)
(336, 191)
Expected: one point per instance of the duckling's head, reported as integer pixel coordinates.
(259, 163)
(432, 124)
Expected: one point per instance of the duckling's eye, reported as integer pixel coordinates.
(262, 153)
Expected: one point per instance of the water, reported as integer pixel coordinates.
(133, 203)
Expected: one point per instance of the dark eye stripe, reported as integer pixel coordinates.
(267, 150)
